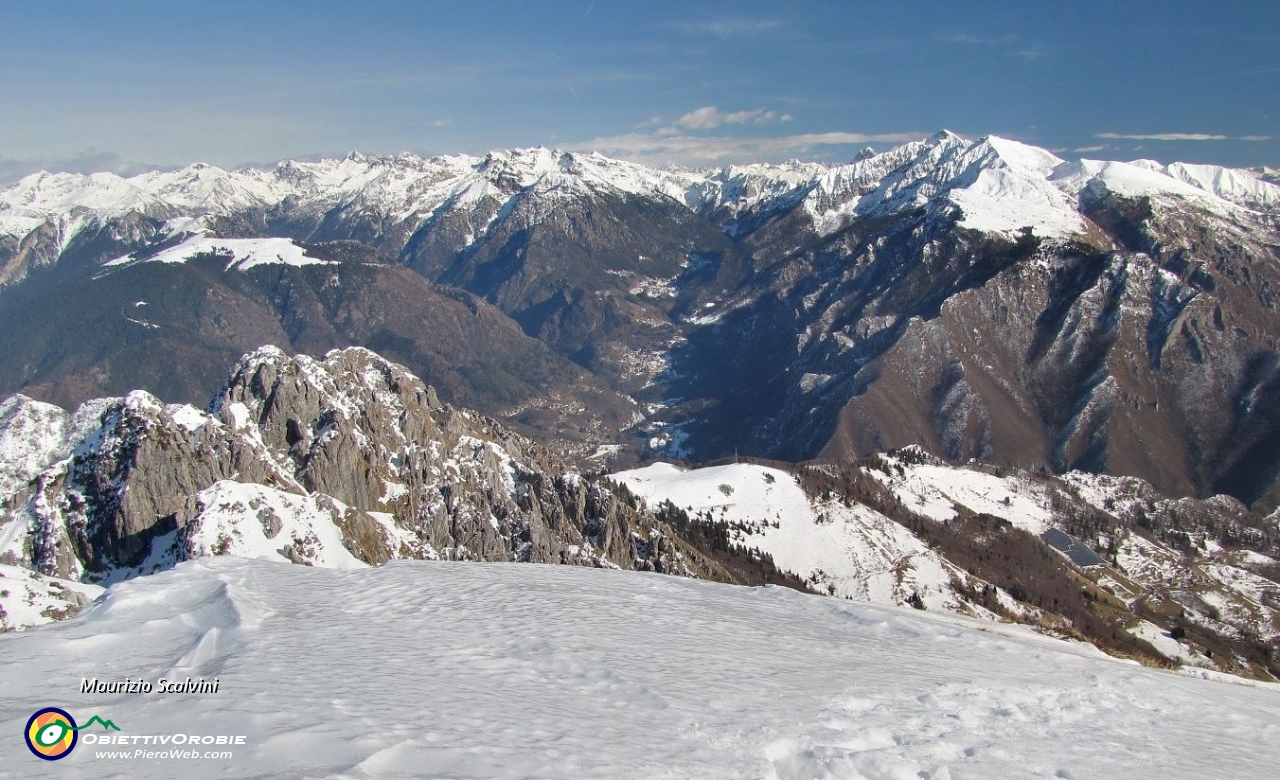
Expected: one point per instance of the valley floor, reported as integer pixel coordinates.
(444, 670)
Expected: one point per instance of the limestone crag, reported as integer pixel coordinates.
(351, 441)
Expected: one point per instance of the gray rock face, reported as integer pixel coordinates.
(124, 484)
(359, 442)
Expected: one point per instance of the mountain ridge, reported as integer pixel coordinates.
(395, 179)
(1109, 311)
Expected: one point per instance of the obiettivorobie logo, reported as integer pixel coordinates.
(52, 733)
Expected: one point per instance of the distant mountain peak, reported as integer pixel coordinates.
(945, 136)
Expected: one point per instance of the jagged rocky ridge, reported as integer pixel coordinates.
(981, 298)
(349, 460)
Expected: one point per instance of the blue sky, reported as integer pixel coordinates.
(129, 84)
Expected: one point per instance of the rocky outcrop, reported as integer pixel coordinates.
(124, 484)
(349, 457)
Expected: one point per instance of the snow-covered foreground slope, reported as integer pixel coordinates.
(435, 670)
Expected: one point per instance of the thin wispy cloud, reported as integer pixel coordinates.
(444, 122)
(1091, 149)
(1034, 52)
(757, 116)
(969, 39)
(727, 28)
(1030, 51)
(1161, 137)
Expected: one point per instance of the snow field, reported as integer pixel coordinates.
(245, 253)
(254, 521)
(935, 491)
(445, 670)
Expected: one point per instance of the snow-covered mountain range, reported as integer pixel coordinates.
(981, 298)
(997, 183)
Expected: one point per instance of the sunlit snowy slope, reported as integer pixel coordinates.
(848, 551)
(430, 669)
(913, 543)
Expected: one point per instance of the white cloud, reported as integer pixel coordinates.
(759, 116)
(445, 122)
(703, 118)
(1089, 149)
(666, 148)
(710, 117)
(1161, 137)
(1255, 138)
